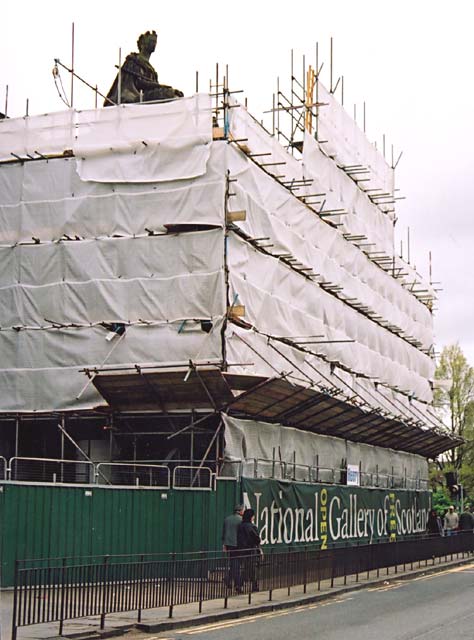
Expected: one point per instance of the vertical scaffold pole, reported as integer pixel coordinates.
(72, 66)
(119, 81)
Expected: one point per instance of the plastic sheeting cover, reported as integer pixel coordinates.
(47, 200)
(246, 439)
(41, 369)
(362, 217)
(348, 144)
(151, 143)
(279, 302)
(293, 229)
(126, 143)
(249, 352)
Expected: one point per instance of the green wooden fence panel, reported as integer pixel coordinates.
(57, 521)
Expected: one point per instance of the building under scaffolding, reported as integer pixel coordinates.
(186, 290)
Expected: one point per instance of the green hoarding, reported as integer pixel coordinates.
(292, 513)
(63, 521)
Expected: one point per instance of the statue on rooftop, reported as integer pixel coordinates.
(139, 80)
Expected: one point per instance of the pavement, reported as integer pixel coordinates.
(157, 620)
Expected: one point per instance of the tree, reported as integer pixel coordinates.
(440, 501)
(454, 398)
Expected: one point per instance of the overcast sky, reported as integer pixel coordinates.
(410, 61)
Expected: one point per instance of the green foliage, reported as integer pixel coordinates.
(440, 500)
(455, 402)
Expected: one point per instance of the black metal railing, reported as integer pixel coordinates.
(59, 589)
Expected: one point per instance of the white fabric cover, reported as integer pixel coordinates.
(340, 262)
(249, 352)
(145, 143)
(48, 134)
(362, 217)
(40, 369)
(126, 143)
(280, 302)
(348, 144)
(47, 200)
(293, 229)
(78, 250)
(153, 278)
(246, 439)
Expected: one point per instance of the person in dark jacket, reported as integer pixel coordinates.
(229, 545)
(466, 521)
(434, 525)
(248, 544)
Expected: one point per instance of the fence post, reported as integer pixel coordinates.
(63, 593)
(250, 573)
(333, 560)
(357, 564)
(305, 572)
(344, 562)
(288, 569)
(105, 588)
(318, 565)
(271, 561)
(228, 575)
(15, 600)
(140, 589)
(172, 585)
(368, 556)
(201, 578)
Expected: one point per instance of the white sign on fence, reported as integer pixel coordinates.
(353, 474)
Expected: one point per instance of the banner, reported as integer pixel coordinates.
(292, 513)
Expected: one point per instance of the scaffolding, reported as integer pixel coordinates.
(234, 270)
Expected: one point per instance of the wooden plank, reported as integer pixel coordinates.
(218, 133)
(236, 311)
(236, 216)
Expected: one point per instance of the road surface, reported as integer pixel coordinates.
(430, 607)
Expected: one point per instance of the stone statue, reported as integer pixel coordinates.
(138, 75)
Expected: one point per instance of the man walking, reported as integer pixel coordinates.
(466, 521)
(229, 545)
(451, 521)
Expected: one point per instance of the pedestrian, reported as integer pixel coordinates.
(433, 525)
(248, 542)
(229, 546)
(451, 521)
(466, 521)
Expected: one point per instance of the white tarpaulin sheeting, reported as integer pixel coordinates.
(338, 191)
(76, 252)
(249, 439)
(126, 143)
(41, 369)
(153, 278)
(291, 228)
(279, 302)
(347, 144)
(361, 216)
(145, 143)
(249, 352)
(47, 200)
(48, 134)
